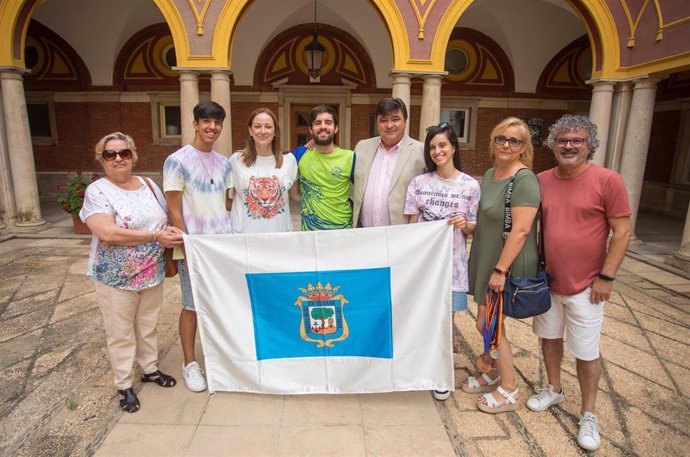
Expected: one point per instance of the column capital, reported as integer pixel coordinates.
(647, 82)
(201, 69)
(623, 86)
(602, 85)
(221, 75)
(221, 71)
(14, 71)
(434, 78)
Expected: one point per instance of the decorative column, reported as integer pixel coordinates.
(220, 93)
(21, 154)
(431, 103)
(620, 110)
(401, 89)
(189, 98)
(636, 144)
(600, 114)
(7, 209)
(681, 259)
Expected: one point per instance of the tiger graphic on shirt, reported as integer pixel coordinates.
(264, 197)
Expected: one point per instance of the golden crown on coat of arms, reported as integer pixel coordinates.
(320, 290)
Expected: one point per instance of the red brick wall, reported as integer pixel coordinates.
(81, 125)
(476, 161)
(361, 117)
(662, 146)
(240, 117)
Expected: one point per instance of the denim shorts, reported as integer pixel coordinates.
(186, 286)
(459, 301)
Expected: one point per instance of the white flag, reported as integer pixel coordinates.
(343, 311)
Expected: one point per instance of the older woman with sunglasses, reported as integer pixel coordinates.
(128, 218)
(492, 256)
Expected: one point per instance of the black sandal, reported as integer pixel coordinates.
(159, 378)
(129, 402)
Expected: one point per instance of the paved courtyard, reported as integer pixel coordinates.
(57, 398)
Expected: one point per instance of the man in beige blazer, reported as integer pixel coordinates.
(384, 167)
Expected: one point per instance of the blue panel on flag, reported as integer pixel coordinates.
(322, 313)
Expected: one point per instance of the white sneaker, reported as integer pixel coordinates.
(545, 398)
(194, 377)
(588, 437)
(441, 395)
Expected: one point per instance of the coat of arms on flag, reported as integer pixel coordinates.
(314, 324)
(323, 317)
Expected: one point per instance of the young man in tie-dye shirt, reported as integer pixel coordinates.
(195, 181)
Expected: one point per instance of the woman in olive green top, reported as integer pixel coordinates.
(491, 257)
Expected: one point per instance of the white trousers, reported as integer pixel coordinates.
(130, 319)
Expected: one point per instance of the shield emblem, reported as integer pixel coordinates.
(322, 315)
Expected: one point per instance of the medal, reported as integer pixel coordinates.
(494, 353)
(485, 363)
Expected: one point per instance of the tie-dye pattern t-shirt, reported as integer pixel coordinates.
(126, 267)
(203, 178)
(434, 198)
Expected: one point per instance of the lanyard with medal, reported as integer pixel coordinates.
(491, 331)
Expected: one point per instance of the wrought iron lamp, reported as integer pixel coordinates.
(314, 51)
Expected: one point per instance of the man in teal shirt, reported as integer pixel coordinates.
(325, 175)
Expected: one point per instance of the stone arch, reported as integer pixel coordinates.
(54, 64)
(177, 29)
(565, 75)
(595, 15)
(232, 12)
(345, 58)
(14, 17)
(141, 65)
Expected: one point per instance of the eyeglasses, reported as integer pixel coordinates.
(512, 142)
(575, 142)
(125, 154)
(438, 128)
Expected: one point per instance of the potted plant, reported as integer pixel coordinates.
(74, 198)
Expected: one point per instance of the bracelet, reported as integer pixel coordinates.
(498, 270)
(153, 232)
(606, 277)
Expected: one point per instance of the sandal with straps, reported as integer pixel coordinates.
(129, 401)
(492, 405)
(159, 378)
(473, 385)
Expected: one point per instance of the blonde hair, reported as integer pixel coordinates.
(100, 146)
(528, 154)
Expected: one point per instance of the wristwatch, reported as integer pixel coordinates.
(498, 270)
(606, 277)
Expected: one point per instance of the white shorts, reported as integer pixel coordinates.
(578, 318)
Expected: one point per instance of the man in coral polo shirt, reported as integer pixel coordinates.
(581, 203)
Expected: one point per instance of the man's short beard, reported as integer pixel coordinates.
(326, 141)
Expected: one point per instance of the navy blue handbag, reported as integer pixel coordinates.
(526, 297)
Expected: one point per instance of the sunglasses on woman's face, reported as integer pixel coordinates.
(125, 154)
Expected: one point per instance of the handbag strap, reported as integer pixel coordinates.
(148, 183)
(508, 222)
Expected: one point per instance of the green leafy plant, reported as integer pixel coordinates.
(71, 405)
(76, 188)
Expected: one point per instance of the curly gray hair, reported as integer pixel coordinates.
(573, 123)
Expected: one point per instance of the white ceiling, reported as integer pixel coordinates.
(529, 31)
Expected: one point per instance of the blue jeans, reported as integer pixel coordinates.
(459, 301)
(186, 286)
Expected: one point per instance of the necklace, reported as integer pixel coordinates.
(213, 160)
